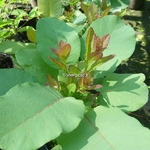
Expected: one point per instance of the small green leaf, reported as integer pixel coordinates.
(88, 43)
(31, 34)
(34, 13)
(71, 88)
(4, 23)
(73, 69)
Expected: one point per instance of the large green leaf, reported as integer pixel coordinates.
(49, 33)
(126, 91)
(32, 62)
(50, 8)
(31, 115)
(118, 5)
(107, 129)
(11, 77)
(11, 47)
(122, 41)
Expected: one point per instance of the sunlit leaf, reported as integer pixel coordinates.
(31, 34)
(122, 45)
(125, 91)
(36, 115)
(107, 129)
(50, 8)
(50, 31)
(60, 64)
(11, 77)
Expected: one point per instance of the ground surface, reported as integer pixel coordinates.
(139, 62)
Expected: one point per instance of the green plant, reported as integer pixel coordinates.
(11, 14)
(39, 104)
(93, 9)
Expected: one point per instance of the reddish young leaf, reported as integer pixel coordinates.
(94, 87)
(101, 61)
(88, 80)
(52, 83)
(102, 43)
(59, 64)
(91, 11)
(105, 41)
(94, 56)
(63, 51)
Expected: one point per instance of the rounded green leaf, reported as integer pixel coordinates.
(118, 5)
(10, 47)
(32, 115)
(125, 91)
(32, 62)
(107, 129)
(122, 41)
(50, 8)
(11, 77)
(49, 33)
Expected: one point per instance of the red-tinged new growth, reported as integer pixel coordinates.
(53, 83)
(62, 53)
(80, 74)
(94, 48)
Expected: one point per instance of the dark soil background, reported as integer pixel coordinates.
(139, 62)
